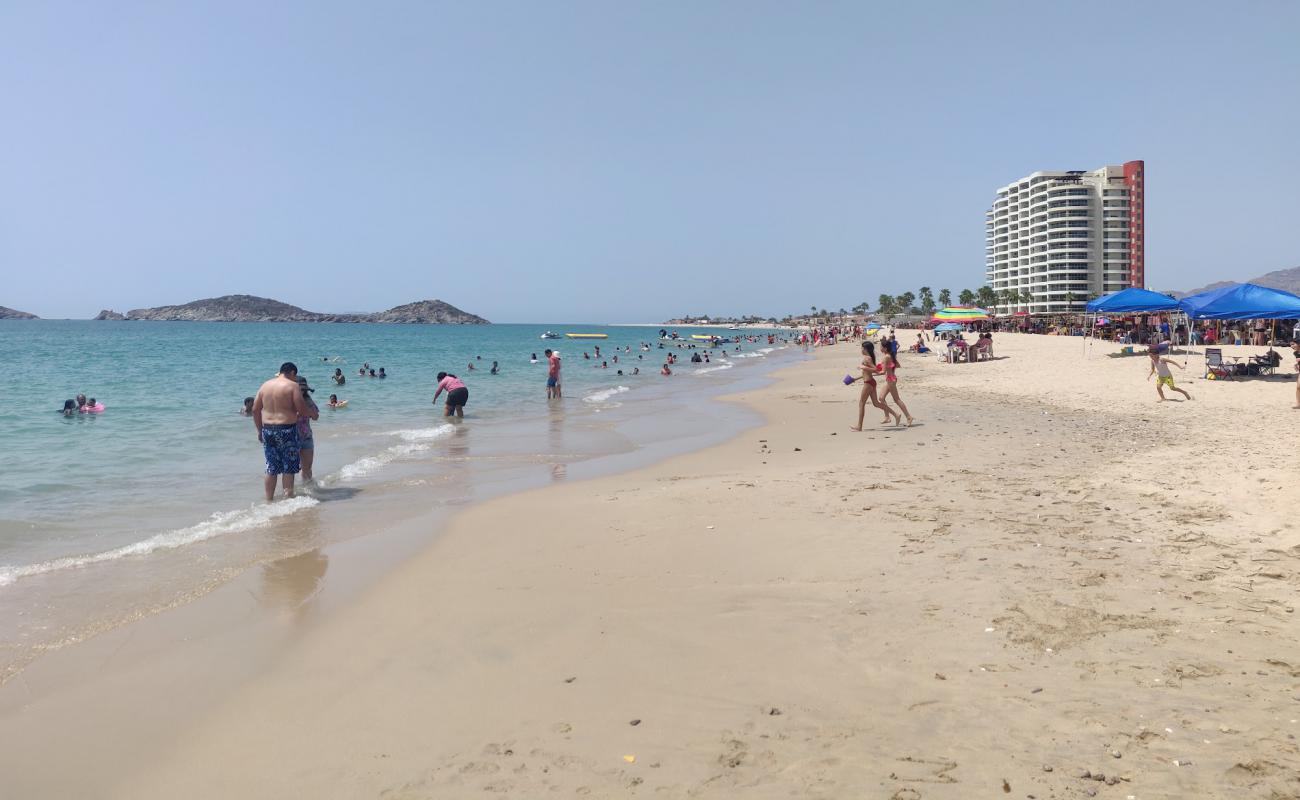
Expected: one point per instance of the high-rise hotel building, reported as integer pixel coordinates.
(1057, 238)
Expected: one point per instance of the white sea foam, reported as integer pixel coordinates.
(414, 441)
(221, 523)
(713, 368)
(605, 394)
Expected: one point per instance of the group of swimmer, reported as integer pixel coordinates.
(81, 405)
(283, 409)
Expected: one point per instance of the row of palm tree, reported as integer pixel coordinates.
(925, 301)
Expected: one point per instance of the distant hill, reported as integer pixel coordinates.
(9, 313)
(247, 308)
(1288, 280)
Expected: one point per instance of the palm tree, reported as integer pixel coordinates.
(1026, 297)
(905, 302)
(814, 312)
(986, 296)
(927, 301)
(945, 298)
(966, 297)
(886, 305)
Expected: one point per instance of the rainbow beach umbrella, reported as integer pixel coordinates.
(959, 314)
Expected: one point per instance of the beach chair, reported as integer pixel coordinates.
(1215, 366)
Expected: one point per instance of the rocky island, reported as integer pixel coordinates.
(9, 313)
(247, 308)
(108, 314)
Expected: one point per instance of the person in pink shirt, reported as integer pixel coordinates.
(457, 394)
(552, 375)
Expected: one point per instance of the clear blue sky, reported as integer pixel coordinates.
(616, 161)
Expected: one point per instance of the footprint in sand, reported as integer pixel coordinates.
(924, 770)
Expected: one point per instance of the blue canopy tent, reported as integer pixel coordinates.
(1132, 301)
(1242, 301)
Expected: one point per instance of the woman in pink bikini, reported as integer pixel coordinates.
(869, 371)
(891, 384)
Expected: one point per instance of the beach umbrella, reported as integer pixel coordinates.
(872, 326)
(960, 314)
(948, 326)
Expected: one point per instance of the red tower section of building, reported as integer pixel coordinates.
(1136, 183)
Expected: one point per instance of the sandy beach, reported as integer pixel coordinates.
(1050, 587)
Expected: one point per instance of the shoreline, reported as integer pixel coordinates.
(268, 605)
(1030, 578)
(78, 558)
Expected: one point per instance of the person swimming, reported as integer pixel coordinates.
(495, 369)
(69, 408)
(247, 410)
(338, 377)
(335, 402)
(382, 374)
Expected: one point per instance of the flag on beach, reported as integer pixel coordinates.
(959, 314)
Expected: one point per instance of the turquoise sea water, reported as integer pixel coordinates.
(162, 491)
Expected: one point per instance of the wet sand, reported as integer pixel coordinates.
(1050, 575)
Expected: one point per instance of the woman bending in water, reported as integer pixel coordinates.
(868, 378)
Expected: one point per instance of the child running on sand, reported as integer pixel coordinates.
(869, 370)
(1160, 367)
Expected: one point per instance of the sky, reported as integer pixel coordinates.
(616, 161)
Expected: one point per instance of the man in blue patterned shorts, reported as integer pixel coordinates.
(276, 410)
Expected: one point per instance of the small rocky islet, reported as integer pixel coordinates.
(247, 308)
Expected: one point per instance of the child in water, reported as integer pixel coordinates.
(335, 402)
(247, 410)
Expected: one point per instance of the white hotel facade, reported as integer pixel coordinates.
(1056, 238)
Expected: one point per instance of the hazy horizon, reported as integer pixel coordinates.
(615, 162)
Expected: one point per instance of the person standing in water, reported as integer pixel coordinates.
(457, 394)
(307, 442)
(276, 409)
(870, 369)
(553, 375)
(891, 385)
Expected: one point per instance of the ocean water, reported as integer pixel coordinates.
(106, 517)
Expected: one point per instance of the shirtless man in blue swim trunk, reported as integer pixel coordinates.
(276, 409)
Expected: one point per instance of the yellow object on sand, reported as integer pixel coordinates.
(630, 759)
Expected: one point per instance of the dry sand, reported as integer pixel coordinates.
(1050, 574)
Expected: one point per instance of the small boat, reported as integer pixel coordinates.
(587, 335)
(706, 337)
(550, 335)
